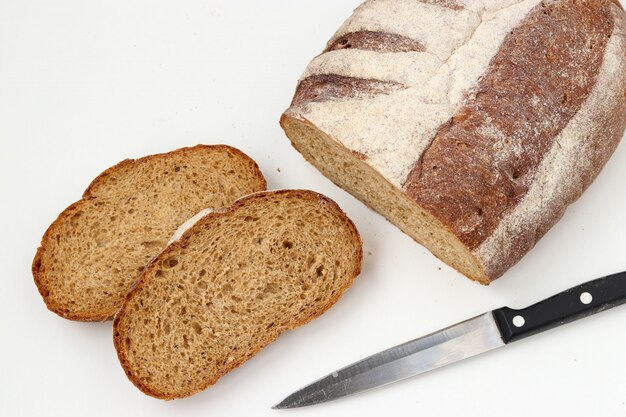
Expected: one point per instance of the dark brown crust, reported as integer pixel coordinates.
(336, 87)
(470, 176)
(89, 194)
(612, 118)
(375, 41)
(607, 140)
(360, 156)
(145, 279)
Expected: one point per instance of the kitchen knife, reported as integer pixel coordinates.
(463, 340)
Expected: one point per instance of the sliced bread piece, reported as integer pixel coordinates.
(231, 285)
(98, 246)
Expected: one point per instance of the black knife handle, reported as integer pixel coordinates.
(576, 303)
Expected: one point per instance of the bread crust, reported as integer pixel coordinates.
(273, 334)
(375, 41)
(328, 87)
(481, 161)
(480, 165)
(591, 138)
(91, 193)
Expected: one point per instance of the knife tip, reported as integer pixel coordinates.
(285, 404)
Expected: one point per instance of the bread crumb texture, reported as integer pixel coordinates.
(232, 284)
(94, 251)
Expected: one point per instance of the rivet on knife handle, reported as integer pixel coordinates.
(576, 303)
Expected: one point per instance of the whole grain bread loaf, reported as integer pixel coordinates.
(230, 285)
(94, 251)
(469, 124)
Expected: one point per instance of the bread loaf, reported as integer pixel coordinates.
(469, 124)
(230, 285)
(93, 252)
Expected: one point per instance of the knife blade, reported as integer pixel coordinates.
(469, 338)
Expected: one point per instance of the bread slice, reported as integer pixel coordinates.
(231, 285)
(98, 246)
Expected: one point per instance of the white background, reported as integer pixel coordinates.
(85, 84)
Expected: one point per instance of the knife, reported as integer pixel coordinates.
(463, 340)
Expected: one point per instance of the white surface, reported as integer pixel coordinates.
(84, 85)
